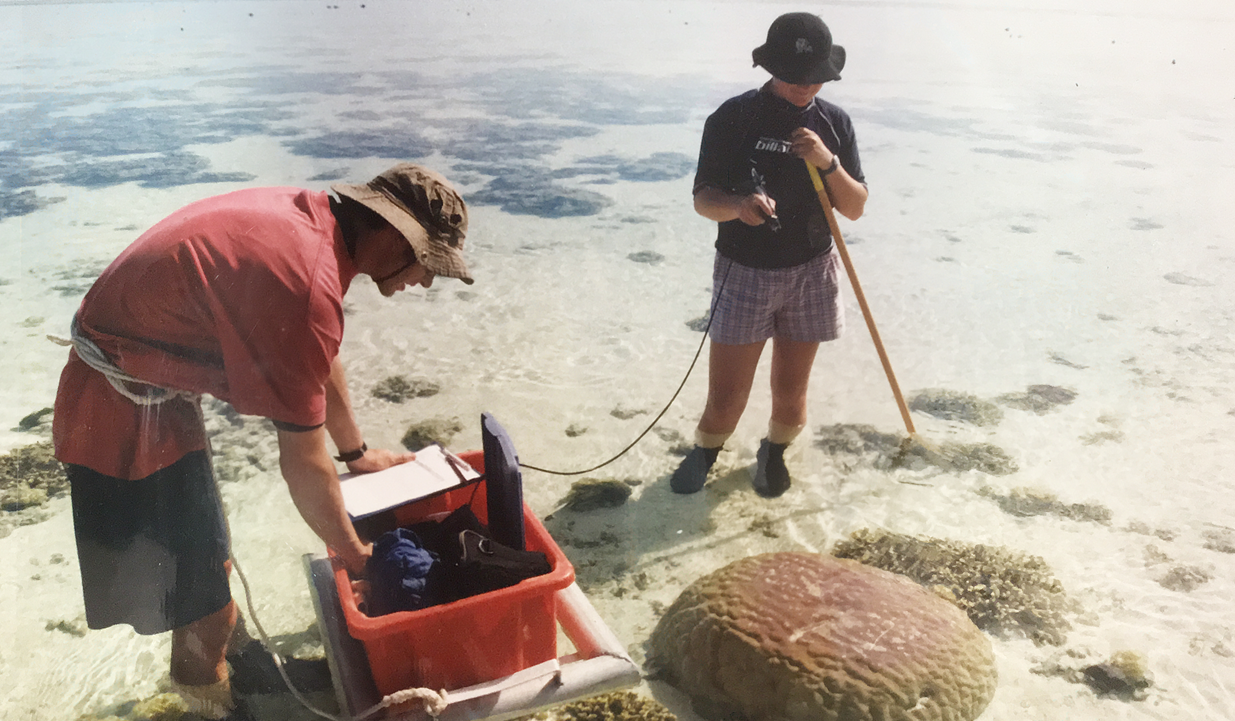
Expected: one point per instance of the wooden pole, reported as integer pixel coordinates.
(826, 202)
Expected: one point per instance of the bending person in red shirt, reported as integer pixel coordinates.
(239, 296)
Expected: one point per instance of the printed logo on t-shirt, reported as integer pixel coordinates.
(774, 145)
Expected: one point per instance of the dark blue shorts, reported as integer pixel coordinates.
(152, 551)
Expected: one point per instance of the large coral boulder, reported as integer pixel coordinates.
(806, 637)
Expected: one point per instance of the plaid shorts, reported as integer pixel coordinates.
(800, 303)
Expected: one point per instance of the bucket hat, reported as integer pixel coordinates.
(799, 50)
(422, 205)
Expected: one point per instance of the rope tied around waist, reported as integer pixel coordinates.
(93, 356)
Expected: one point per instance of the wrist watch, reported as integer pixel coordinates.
(355, 455)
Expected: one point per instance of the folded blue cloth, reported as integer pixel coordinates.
(399, 574)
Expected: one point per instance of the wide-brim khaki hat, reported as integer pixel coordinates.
(425, 208)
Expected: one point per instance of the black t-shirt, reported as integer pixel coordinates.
(745, 143)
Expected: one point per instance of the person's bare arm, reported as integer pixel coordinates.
(343, 430)
(715, 204)
(314, 486)
(848, 195)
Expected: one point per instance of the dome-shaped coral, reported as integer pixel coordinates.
(802, 636)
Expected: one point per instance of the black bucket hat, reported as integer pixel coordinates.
(799, 51)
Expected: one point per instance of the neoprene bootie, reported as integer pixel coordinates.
(771, 475)
(254, 672)
(692, 474)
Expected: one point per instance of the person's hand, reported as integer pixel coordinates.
(809, 146)
(355, 562)
(379, 459)
(360, 589)
(755, 209)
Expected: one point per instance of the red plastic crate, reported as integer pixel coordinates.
(472, 640)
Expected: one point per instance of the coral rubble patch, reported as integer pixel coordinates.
(889, 450)
(1003, 591)
(29, 476)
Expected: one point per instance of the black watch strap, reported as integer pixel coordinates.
(352, 455)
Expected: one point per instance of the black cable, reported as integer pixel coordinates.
(711, 316)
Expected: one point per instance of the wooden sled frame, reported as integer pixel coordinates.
(599, 665)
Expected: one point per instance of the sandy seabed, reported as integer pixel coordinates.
(1048, 183)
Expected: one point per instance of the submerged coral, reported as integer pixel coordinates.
(1221, 540)
(1034, 502)
(957, 457)
(890, 450)
(1185, 578)
(29, 476)
(1002, 590)
(397, 389)
(590, 494)
(806, 636)
(956, 406)
(435, 430)
(1126, 675)
(35, 419)
(1038, 398)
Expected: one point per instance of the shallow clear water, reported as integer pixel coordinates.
(1048, 193)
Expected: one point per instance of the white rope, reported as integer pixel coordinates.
(93, 356)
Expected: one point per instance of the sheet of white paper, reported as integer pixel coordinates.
(367, 493)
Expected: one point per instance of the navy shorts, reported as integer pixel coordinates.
(799, 303)
(152, 551)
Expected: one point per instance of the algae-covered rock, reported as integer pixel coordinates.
(29, 476)
(34, 420)
(807, 637)
(1035, 502)
(1001, 590)
(956, 406)
(590, 494)
(436, 430)
(1039, 398)
(397, 389)
(76, 627)
(625, 413)
(1126, 675)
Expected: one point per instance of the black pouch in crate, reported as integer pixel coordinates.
(485, 565)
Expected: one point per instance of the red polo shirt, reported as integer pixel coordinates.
(239, 296)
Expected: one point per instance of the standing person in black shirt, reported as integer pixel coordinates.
(776, 269)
